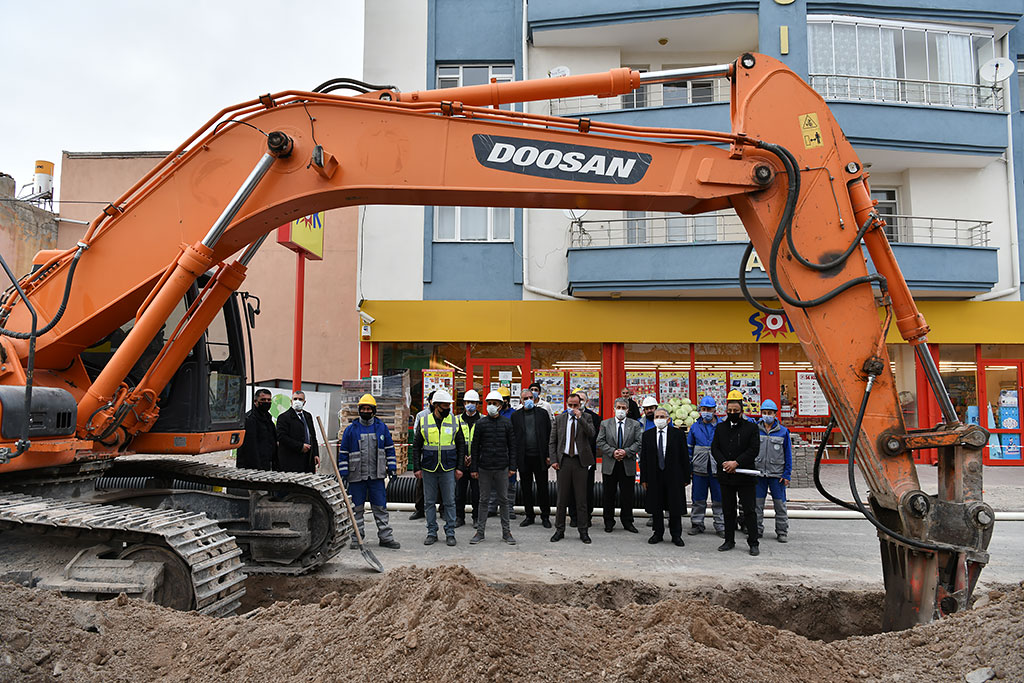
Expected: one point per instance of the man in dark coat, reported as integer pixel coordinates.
(735, 446)
(259, 448)
(665, 474)
(532, 427)
(297, 446)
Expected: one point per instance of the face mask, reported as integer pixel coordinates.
(443, 412)
(263, 407)
(298, 403)
(366, 416)
(768, 419)
(735, 418)
(470, 408)
(536, 396)
(707, 415)
(492, 410)
(620, 413)
(660, 422)
(528, 404)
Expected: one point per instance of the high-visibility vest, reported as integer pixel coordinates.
(467, 434)
(439, 442)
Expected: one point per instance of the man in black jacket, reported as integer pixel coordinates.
(735, 446)
(532, 427)
(492, 462)
(665, 474)
(297, 447)
(259, 448)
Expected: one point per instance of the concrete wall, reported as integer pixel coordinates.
(24, 230)
(330, 329)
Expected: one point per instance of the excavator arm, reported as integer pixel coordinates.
(786, 168)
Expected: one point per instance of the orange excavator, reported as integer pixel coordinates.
(105, 350)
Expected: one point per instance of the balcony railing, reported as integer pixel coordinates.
(726, 226)
(908, 91)
(663, 95)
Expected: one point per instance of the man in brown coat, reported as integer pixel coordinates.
(571, 456)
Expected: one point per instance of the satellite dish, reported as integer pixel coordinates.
(996, 70)
(563, 71)
(574, 214)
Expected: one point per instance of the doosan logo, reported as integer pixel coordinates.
(562, 161)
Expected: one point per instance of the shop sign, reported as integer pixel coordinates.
(769, 326)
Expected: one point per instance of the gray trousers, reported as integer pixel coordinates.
(380, 517)
(497, 481)
(772, 485)
(572, 486)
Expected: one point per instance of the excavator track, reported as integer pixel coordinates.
(330, 526)
(207, 551)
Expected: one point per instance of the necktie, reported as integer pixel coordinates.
(572, 438)
(305, 427)
(620, 435)
(661, 448)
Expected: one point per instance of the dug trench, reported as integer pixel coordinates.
(446, 624)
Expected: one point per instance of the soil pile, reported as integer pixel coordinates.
(445, 624)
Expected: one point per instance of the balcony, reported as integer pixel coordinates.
(908, 91)
(706, 91)
(692, 256)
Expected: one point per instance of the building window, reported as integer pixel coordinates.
(636, 99)
(473, 223)
(884, 61)
(888, 209)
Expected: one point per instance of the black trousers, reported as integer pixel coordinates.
(467, 486)
(744, 493)
(535, 470)
(590, 497)
(572, 481)
(625, 484)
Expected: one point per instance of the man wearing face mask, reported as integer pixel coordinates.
(571, 456)
(259, 448)
(539, 401)
(698, 440)
(618, 443)
(468, 485)
(532, 427)
(366, 454)
(665, 474)
(735, 446)
(775, 462)
(438, 458)
(493, 461)
(297, 447)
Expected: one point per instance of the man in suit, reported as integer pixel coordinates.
(735, 446)
(665, 474)
(618, 443)
(532, 427)
(595, 420)
(297, 447)
(571, 456)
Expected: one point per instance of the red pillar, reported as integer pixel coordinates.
(300, 287)
(770, 384)
(613, 373)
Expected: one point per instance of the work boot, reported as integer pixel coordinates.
(782, 537)
(755, 550)
(390, 543)
(694, 530)
(507, 537)
(477, 537)
(450, 541)
(527, 521)
(430, 540)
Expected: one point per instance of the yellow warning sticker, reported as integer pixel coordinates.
(811, 131)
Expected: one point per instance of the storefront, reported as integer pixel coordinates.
(730, 347)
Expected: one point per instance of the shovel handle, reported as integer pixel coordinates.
(344, 493)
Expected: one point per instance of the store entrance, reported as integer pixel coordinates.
(490, 374)
(1001, 388)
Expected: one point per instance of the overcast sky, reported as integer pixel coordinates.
(131, 75)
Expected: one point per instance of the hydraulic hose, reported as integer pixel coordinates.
(817, 470)
(63, 302)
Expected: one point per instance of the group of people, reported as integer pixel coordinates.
(473, 458)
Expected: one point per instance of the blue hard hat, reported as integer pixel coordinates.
(708, 402)
(769, 405)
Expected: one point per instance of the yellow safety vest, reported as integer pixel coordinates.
(467, 434)
(439, 442)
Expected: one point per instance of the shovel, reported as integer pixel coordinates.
(368, 555)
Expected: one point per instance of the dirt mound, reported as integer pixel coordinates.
(445, 624)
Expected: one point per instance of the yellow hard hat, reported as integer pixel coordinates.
(368, 400)
(735, 395)
(505, 393)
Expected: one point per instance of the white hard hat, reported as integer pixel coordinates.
(471, 396)
(441, 396)
(495, 396)
(648, 402)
